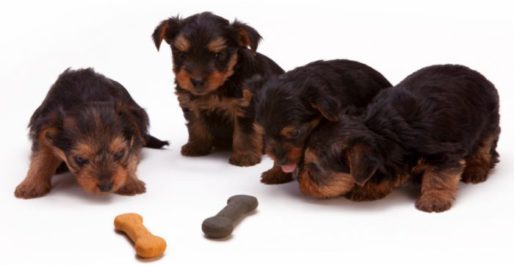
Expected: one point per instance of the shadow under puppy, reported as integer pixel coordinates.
(437, 127)
(211, 60)
(90, 125)
(292, 105)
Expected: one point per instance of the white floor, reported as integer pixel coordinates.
(69, 227)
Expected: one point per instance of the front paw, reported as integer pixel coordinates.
(275, 176)
(193, 149)
(245, 159)
(433, 202)
(132, 188)
(29, 189)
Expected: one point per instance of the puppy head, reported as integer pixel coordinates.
(205, 49)
(337, 158)
(288, 110)
(100, 144)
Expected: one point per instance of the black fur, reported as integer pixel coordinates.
(197, 87)
(436, 118)
(78, 93)
(318, 92)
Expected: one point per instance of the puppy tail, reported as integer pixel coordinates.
(155, 143)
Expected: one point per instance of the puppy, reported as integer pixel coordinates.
(211, 60)
(90, 124)
(437, 127)
(292, 105)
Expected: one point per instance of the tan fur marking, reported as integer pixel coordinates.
(480, 163)
(217, 45)
(42, 167)
(181, 43)
(439, 189)
(334, 185)
(217, 78)
(117, 144)
(339, 184)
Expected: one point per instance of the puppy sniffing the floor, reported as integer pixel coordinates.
(437, 127)
(90, 125)
(292, 105)
(211, 60)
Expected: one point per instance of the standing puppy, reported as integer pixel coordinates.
(90, 125)
(439, 126)
(292, 105)
(211, 60)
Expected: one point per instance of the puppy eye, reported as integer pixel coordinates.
(220, 55)
(180, 55)
(119, 155)
(80, 161)
(295, 133)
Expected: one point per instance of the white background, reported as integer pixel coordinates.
(39, 39)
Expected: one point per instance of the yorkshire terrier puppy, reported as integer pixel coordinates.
(292, 105)
(89, 125)
(211, 60)
(437, 127)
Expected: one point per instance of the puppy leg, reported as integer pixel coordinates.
(275, 175)
(200, 139)
(246, 143)
(439, 188)
(132, 187)
(43, 165)
(481, 161)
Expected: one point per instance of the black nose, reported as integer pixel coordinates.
(197, 82)
(105, 187)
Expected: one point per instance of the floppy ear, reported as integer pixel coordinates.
(328, 106)
(135, 122)
(167, 30)
(246, 35)
(363, 162)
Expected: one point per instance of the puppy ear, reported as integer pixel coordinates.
(363, 162)
(246, 35)
(328, 106)
(135, 122)
(167, 30)
(46, 126)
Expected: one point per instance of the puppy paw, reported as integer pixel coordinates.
(29, 190)
(192, 149)
(275, 176)
(474, 175)
(245, 159)
(132, 188)
(433, 202)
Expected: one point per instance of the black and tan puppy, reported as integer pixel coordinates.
(90, 125)
(211, 60)
(437, 127)
(290, 106)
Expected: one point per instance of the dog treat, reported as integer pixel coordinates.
(147, 245)
(223, 223)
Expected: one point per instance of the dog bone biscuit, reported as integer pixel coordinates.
(223, 223)
(147, 245)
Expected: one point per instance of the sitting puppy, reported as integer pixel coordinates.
(292, 105)
(211, 60)
(438, 126)
(90, 124)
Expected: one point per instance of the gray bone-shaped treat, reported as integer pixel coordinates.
(223, 223)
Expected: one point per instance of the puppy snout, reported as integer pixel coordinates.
(197, 82)
(105, 186)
